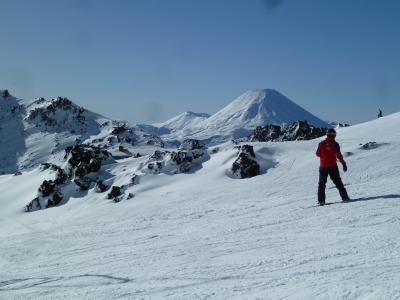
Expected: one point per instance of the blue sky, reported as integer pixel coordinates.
(147, 60)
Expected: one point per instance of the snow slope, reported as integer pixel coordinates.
(239, 118)
(207, 236)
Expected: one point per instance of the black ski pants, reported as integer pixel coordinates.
(335, 177)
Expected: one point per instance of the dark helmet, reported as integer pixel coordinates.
(331, 132)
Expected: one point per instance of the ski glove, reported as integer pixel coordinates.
(345, 167)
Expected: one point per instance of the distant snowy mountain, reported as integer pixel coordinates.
(239, 118)
(179, 125)
(34, 131)
(183, 120)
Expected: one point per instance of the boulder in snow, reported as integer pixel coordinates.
(55, 199)
(245, 165)
(83, 183)
(115, 193)
(100, 187)
(46, 188)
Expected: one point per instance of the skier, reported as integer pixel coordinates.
(380, 114)
(329, 152)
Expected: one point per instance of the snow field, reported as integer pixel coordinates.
(208, 236)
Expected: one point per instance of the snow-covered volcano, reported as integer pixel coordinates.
(260, 107)
(239, 118)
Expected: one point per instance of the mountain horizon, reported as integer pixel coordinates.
(237, 119)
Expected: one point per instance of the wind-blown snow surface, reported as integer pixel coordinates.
(238, 119)
(207, 236)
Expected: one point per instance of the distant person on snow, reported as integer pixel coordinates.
(329, 152)
(380, 114)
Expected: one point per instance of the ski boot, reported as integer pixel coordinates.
(346, 199)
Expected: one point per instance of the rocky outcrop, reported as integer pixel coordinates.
(61, 177)
(121, 133)
(245, 165)
(83, 163)
(369, 146)
(49, 196)
(5, 94)
(115, 193)
(83, 183)
(189, 155)
(57, 113)
(191, 144)
(46, 188)
(297, 131)
(100, 187)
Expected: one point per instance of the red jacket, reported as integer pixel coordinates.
(329, 152)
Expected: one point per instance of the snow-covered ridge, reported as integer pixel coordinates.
(35, 131)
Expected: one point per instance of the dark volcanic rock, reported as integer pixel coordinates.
(100, 187)
(183, 159)
(118, 130)
(266, 133)
(5, 94)
(370, 145)
(191, 153)
(33, 205)
(45, 166)
(83, 183)
(191, 144)
(115, 192)
(94, 165)
(54, 114)
(135, 179)
(300, 130)
(155, 167)
(46, 188)
(61, 177)
(244, 166)
(84, 152)
(84, 159)
(248, 149)
(81, 170)
(55, 200)
(158, 155)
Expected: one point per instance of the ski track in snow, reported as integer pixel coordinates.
(207, 236)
